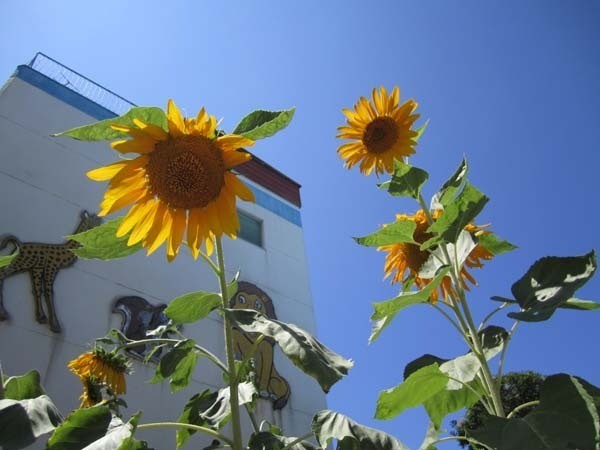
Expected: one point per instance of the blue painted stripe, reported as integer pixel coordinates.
(91, 108)
(63, 93)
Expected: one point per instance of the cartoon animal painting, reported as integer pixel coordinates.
(43, 262)
(139, 317)
(270, 383)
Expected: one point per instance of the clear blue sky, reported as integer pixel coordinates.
(513, 85)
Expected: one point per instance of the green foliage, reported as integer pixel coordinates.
(494, 244)
(306, 352)
(406, 181)
(6, 260)
(100, 131)
(23, 421)
(566, 418)
(451, 187)
(24, 387)
(81, 428)
(398, 232)
(580, 305)
(119, 436)
(264, 440)
(102, 243)
(431, 437)
(457, 215)
(328, 425)
(177, 365)
(260, 124)
(549, 283)
(190, 308)
(516, 389)
(211, 410)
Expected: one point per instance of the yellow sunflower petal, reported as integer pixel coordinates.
(175, 119)
(238, 187)
(153, 131)
(135, 215)
(233, 142)
(136, 145)
(159, 230)
(120, 203)
(194, 231)
(106, 172)
(232, 159)
(141, 229)
(176, 235)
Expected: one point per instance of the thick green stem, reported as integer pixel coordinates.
(233, 381)
(188, 426)
(523, 406)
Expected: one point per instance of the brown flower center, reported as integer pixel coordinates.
(380, 135)
(186, 172)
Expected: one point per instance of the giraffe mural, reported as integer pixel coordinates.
(43, 262)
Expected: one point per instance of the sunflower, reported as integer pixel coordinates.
(381, 131)
(105, 368)
(92, 392)
(180, 180)
(405, 260)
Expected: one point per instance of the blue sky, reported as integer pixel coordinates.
(513, 85)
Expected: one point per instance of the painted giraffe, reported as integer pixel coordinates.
(43, 262)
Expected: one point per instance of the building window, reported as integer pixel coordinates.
(251, 228)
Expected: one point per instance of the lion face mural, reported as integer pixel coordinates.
(270, 383)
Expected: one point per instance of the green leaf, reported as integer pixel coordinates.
(190, 308)
(416, 389)
(493, 244)
(459, 251)
(100, 131)
(566, 418)
(264, 440)
(451, 187)
(232, 286)
(22, 422)
(381, 324)
(447, 401)
(260, 124)
(406, 181)
(306, 352)
(178, 365)
(211, 409)
(328, 425)
(133, 444)
(102, 243)
(394, 233)
(580, 305)
(6, 260)
(391, 307)
(549, 283)
(81, 428)
(420, 131)
(24, 387)
(118, 436)
(457, 215)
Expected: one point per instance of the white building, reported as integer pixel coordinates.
(43, 189)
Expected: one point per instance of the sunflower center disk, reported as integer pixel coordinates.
(186, 172)
(380, 135)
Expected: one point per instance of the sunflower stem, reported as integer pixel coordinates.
(233, 376)
(189, 426)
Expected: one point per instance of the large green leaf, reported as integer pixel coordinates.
(306, 352)
(190, 308)
(102, 242)
(265, 440)
(580, 305)
(100, 131)
(380, 324)
(493, 244)
(457, 215)
(406, 181)
(211, 409)
(459, 252)
(328, 425)
(394, 233)
(260, 124)
(566, 418)
(6, 260)
(446, 401)
(24, 387)
(416, 389)
(22, 422)
(118, 436)
(177, 365)
(81, 428)
(451, 187)
(549, 283)
(391, 307)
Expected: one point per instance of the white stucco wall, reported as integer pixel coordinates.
(43, 188)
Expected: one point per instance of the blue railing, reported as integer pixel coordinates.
(80, 84)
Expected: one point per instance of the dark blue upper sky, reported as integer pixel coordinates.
(513, 85)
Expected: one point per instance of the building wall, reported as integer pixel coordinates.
(43, 188)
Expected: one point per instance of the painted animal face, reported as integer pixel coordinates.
(244, 300)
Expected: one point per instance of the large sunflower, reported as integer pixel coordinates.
(103, 367)
(405, 260)
(381, 131)
(181, 180)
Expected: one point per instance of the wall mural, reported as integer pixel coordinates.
(271, 384)
(43, 262)
(139, 317)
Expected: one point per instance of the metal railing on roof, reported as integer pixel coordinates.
(78, 83)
